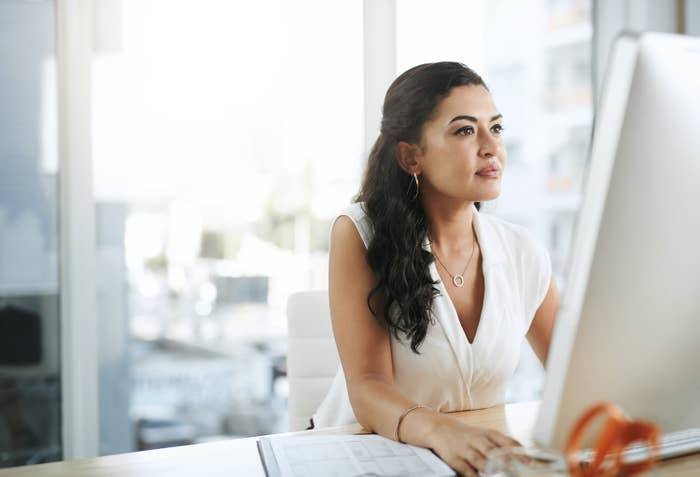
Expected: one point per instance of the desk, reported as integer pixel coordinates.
(239, 458)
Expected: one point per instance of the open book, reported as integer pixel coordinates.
(347, 456)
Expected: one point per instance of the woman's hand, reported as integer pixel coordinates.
(464, 447)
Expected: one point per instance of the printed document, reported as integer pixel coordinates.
(347, 456)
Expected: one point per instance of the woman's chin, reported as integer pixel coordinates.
(491, 194)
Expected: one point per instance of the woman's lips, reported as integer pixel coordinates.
(489, 173)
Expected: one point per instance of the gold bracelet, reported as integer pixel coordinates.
(405, 413)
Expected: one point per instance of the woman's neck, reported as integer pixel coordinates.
(450, 224)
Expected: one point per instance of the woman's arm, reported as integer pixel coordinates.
(540, 333)
(364, 346)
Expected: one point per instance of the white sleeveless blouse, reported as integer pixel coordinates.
(452, 374)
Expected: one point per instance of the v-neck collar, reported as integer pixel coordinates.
(445, 311)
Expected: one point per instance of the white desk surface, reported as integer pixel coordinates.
(239, 457)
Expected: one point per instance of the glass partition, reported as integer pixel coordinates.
(30, 401)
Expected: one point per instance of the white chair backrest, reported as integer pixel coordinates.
(312, 357)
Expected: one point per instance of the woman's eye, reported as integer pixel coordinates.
(497, 128)
(465, 131)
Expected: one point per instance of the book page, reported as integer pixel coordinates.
(354, 455)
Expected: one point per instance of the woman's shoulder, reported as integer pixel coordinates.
(356, 213)
(515, 239)
(527, 259)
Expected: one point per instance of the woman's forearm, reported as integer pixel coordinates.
(378, 407)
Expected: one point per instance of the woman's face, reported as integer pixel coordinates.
(461, 152)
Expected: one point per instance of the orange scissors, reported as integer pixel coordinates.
(617, 433)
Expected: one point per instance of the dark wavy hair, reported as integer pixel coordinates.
(395, 253)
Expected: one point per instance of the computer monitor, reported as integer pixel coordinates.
(628, 330)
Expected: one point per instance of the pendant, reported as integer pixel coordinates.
(458, 280)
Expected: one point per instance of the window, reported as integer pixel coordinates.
(228, 134)
(30, 368)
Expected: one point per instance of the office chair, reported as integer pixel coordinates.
(312, 357)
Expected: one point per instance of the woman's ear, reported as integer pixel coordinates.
(407, 157)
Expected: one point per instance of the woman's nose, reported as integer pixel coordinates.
(488, 145)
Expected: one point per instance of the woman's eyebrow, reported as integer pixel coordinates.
(473, 119)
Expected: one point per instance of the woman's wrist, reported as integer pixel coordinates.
(433, 429)
(397, 437)
(420, 427)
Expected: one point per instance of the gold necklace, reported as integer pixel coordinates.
(458, 280)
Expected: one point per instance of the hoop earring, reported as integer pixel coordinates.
(415, 176)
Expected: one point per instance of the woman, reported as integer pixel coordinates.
(430, 299)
